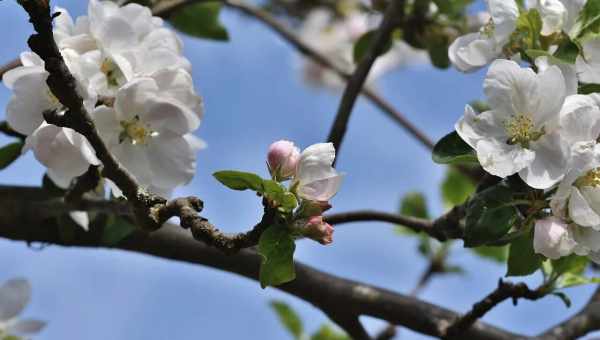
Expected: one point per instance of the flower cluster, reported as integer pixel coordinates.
(14, 297)
(537, 125)
(137, 87)
(335, 37)
(313, 180)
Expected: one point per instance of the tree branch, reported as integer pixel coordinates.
(582, 323)
(393, 15)
(504, 291)
(21, 219)
(289, 36)
(150, 210)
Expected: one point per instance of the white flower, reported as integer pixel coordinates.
(316, 179)
(129, 42)
(520, 132)
(552, 238)
(65, 153)
(568, 70)
(553, 14)
(149, 129)
(475, 50)
(32, 96)
(14, 297)
(73, 35)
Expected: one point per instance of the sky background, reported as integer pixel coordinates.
(254, 95)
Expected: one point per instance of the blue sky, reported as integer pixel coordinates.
(254, 95)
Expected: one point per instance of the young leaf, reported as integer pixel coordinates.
(364, 42)
(522, 259)
(288, 317)
(567, 51)
(200, 20)
(9, 153)
(588, 88)
(414, 204)
(456, 188)
(327, 332)
(490, 215)
(276, 246)
(279, 195)
(588, 22)
(238, 180)
(496, 254)
(451, 149)
(116, 230)
(565, 299)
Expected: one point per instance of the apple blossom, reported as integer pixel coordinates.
(552, 238)
(553, 14)
(149, 129)
(32, 96)
(282, 159)
(14, 297)
(520, 132)
(65, 153)
(472, 51)
(319, 230)
(316, 179)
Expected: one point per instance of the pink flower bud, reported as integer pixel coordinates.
(319, 230)
(283, 158)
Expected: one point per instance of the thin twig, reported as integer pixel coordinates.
(392, 17)
(505, 290)
(289, 36)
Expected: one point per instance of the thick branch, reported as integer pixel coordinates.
(582, 323)
(391, 19)
(21, 220)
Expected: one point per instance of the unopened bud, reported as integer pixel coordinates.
(319, 230)
(283, 158)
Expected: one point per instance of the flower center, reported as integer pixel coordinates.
(136, 132)
(114, 75)
(521, 131)
(590, 179)
(487, 30)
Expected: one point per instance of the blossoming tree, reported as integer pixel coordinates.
(106, 103)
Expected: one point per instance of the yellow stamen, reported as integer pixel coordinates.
(590, 179)
(521, 131)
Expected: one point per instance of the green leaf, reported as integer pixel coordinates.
(9, 153)
(289, 318)
(479, 106)
(496, 254)
(276, 246)
(489, 216)
(116, 230)
(588, 88)
(437, 47)
(327, 332)
(364, 42)
(456, 188)
(200, 20)
(572, 264)
(238, 180)
(451, 149)
(452, 8)
(563, 297)
(279, 195)
(414, 204)
(522, 259)
(588, 22)
(529, 25)
(567, 51)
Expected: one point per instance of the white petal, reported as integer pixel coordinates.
(470, 52)
(587, 238)
(131, 98)
(580, 211)
(580, 119)
(588, 65)
(473, 127)
(548, 97)
(550, 162)
(501, 159)
(165, 114)
(510, 88)
(553, 14)
(14, 296)
(504, 14)
(172, 160)
(322, 189)
(81, 218)
(318, 153)
(551, 238)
